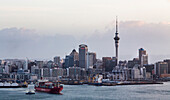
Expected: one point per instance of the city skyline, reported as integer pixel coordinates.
(21, 38)
(84, 49)
(42, 37)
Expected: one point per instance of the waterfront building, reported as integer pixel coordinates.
(57, 72)
(74, 72)
(119, 74)
(168, 61)
(136, 73)
(122, 64)
(161, 68)
(4, 76)
(39, 72)
(132, 63)
(149, 68)
(83, 74)
(83, 49)
(33, 77)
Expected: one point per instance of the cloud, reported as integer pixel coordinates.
(21, 43)
(154, 37)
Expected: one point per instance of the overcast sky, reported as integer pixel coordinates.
(42, 29)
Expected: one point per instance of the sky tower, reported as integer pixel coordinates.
(116, 38)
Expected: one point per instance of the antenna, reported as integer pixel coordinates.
(116, 24)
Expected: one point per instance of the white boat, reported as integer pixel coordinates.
(9, 85)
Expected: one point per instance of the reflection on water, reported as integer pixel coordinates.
(86, 92)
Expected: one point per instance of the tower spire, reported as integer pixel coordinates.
(116, 38)
(116, 25)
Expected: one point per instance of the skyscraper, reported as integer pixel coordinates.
(143, 57)
(69, 61)
(75, 55)
(83, 49)
(116, 38)
(91, 59)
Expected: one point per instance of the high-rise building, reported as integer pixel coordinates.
(74, 72)
(57, 60)
(56, 72)
(161, 68)
(138, 73)
(83, 49)
(39, 64)
(143, 57)
(105, 60)
(132, 63)
(149, 68)
(19, 64)
(26, 64)
(94, 58)
(50, 64)
(99, 64)
(33, 69)
(39, 72)
(46, 72)
(168, 61)
(6, 68)
(75, 55)
(69, 61)
(91, 59)
(109, 63)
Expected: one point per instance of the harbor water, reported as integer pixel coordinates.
(87, 92)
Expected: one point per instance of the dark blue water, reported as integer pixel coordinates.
(86, 92)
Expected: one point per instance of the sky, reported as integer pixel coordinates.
(42, 29)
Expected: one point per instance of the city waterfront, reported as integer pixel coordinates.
(88, 92)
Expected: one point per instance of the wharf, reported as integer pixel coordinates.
(71, 82)
(138, 83)
(126, 83)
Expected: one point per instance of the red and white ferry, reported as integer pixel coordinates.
(49, 87)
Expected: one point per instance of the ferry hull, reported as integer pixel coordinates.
(55, 90)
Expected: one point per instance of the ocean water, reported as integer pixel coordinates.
(87, 92)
